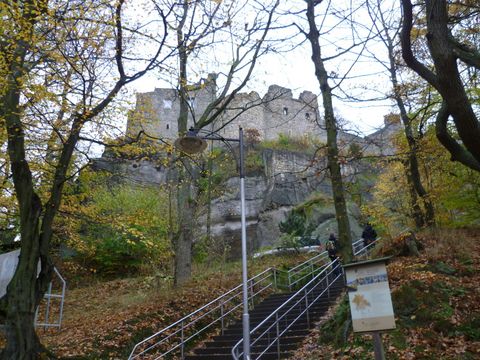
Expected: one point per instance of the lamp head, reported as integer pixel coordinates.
(191, 143)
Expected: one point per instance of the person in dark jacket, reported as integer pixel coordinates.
(333, 238)
(369, 234)
(332, 249)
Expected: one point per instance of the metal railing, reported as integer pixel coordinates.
(306, 270)
(360, 249)
(270, 330)
(174, 338)
(50, 306)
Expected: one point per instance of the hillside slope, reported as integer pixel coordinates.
(436, 299)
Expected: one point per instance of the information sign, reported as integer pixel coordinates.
(369, 296)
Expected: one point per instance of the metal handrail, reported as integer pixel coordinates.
(297, 302)
(309, 261)
(48, 296)
(321, 259)
(224, 304)
(363, 250)
(357, 245)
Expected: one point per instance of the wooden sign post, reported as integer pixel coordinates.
(370, 300)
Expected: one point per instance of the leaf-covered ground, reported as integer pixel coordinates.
(105, 319)
(436, 299)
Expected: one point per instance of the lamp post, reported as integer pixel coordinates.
(192, 143)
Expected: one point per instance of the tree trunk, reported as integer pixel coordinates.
(446, 80)
(22, 340)
(23, 292)
(414, 181)
(411, 245)
(450, 84)
(183, 240)
(413, 174)
(416, 213)
(185, 202)
(341, 214)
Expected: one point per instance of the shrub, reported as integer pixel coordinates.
(124, 230)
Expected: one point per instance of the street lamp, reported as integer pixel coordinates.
(192, 143)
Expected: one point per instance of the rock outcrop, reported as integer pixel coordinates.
(288, 179)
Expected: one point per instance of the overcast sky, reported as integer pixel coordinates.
(295, 70)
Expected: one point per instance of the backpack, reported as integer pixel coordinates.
(331, 248)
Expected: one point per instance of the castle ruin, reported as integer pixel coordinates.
(277, 112)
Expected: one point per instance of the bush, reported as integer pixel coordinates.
(124, 230)
(293, 225)
(115, 252)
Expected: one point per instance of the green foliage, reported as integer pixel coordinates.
(115, 252)
(8, 232)
(209, 251)
(336, 329)
(453, 189)
(355, 151)
(296, 223)
(303, 144)
(293, 225)
(421, 304)
(290, 242)
(284, 140)
(253, 161)
(315, 200)
(442, 268)
(471, 328)
(123, 229)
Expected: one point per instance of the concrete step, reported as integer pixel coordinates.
(300, 324)
(237, 337)
(254, 349)
(266, 356)
(292, 339)
(290, 316)
(221, 346)
(324, 298)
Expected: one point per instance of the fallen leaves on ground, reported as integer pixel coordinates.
(101, 320)
(423, 340)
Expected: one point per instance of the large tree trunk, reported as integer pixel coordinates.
(22, 340)
(450, 84)
(446, 79)
(22, 298)
(344, 234)
(184, 238)
(185, 201)
(24, 290)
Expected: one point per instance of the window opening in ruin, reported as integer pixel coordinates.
(307, 116)
(167, 104)
(285, 111)
(168, 126)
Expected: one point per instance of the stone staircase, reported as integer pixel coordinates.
(221, 346)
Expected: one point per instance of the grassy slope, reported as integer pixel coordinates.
(436, 300)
